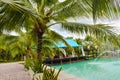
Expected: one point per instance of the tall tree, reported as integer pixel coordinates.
(24, 44)
(39, 16)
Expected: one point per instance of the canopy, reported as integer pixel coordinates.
(60, 44)
(71, 42)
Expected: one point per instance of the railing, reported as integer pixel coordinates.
(65, 60)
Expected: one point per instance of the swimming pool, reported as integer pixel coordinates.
(100, 69)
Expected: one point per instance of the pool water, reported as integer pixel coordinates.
(100, 69)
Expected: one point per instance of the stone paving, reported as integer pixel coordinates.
(64, 76)
(13, 71)
(16, 71)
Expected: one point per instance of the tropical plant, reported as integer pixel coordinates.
(18, 45)
(24, 45)
(5, 47)
(40, 15)
(37, 66)
(93, 45)
(49, 74)
(28, 63)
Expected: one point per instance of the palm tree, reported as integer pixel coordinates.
(40, 15)
(24, 44)
(11, 46)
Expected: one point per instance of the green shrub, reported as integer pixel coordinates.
(37, 66)
(49, 74)
(28, 63)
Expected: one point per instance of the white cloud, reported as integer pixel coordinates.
(61, 0)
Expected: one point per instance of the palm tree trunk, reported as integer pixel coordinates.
(39, 29)
(27, 53)
(39, 44)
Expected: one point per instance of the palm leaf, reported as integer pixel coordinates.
(105, 8)
(97, 29)
(14, 13)
(71, 8)
(57, 37)
(100, 31)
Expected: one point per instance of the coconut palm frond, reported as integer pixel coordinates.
(54, 35)
(8, 39)
(100, 31)
(72, 9)
(105, 8)
(50, 42)
(61, 5)
(14, 13)
(97, 29)
(20, 6)
(16, 50)
(47, 2)
(57, 37)
(47, 50)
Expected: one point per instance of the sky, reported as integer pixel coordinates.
(61, 0)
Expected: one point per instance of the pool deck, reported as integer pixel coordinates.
(64, 76)
(16, 71)
(13, 71)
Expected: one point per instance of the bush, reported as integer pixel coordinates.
(28, 63)
(49, 74)
(37, 66)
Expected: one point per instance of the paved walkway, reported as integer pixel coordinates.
(16, 71)
(64, 76)
(13, 71)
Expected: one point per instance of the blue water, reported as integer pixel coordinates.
(102, 69)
